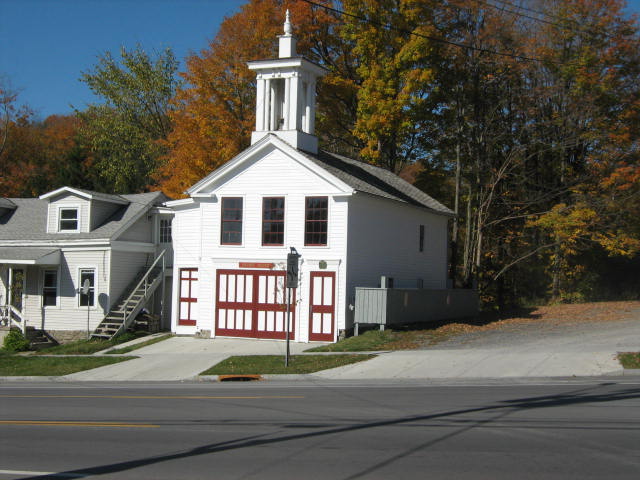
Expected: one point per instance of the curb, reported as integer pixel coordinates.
(33, 379)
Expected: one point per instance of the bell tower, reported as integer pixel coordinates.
(285, 98)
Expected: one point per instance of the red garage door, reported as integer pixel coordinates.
(252, 303)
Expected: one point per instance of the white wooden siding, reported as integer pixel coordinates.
(196, 235)
(68, 315)
(68, 200)
(140, 231)
(384, 240)
(187, 234)
(101, 211)
(124, 268)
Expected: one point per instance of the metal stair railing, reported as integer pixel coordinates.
(147, 286)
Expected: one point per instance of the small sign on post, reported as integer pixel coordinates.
(292, 268)
(292, 282)
(86, 287)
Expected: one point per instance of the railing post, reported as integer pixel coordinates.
(162, 292)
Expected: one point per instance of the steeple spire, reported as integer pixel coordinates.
(287, 42)
(287, 24)
(285, 98)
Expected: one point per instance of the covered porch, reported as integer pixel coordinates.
(29, 281)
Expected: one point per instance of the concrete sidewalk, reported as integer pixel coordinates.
(573, 350)
(182, 358)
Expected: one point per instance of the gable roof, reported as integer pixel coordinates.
(88, 194)
(268, 141)
(352, 175)
(373, 180)
(29, 220)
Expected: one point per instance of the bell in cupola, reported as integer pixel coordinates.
(285, 97)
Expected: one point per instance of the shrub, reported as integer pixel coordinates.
(15, 342)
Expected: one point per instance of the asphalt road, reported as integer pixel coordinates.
(575, 429)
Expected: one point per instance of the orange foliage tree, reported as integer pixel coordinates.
(40, 156)
(214, 111)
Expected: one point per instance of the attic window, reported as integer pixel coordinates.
(68, 220)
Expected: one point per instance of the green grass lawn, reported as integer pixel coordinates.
(629, 359)
(13, 365)
(88, 347)
(131, 348)
(274, 364)
(375, 340)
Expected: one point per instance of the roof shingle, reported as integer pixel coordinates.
(29, 220)
(367, 178)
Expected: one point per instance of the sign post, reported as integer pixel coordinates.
(292, 282)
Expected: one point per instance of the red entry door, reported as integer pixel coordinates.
(188, 309)
(252, 303)
(322, 307)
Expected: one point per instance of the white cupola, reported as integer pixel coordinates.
(285, 99)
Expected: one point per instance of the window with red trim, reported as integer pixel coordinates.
(231, 224)
(273, 221)
(316, 217)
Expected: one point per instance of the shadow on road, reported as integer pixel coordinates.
(501, 409)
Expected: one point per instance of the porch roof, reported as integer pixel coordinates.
(29, 256)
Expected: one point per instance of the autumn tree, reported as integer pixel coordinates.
(394, 52)
(586, 92)
(44, 155)
(7, 110)
(214, 111)
(126, 130)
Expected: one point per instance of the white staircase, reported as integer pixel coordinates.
(124, 313)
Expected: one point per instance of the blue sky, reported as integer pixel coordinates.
(46, 44)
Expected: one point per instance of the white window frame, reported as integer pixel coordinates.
(69, 207)
(44, 271)
(244, 225)
(170, 221)
(285, 221)
(329, 221)
(79, 286)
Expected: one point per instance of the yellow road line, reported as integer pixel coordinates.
(77, 424)
(161, 397)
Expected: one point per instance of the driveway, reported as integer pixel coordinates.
(534, 349)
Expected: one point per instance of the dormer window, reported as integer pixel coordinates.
(68, 220)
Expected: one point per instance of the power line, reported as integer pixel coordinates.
(524, 15)
(429, 37)
(580, 29)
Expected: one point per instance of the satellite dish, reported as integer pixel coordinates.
(86, 286)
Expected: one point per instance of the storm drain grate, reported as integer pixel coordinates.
(238, 378)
